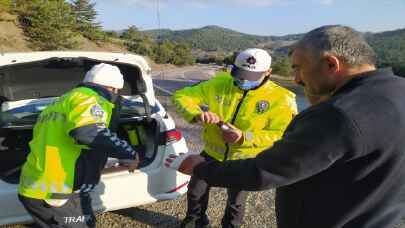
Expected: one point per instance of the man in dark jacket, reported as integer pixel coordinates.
(341, 162)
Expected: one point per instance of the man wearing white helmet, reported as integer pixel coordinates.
(246, 114)
(72, 139)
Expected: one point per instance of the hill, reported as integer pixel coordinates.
(389, 46)
(216, 38)
(210, 38)
(13, 39)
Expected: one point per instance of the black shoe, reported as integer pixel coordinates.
(230, 226)
(192, 222)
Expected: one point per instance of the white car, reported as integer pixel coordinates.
(30, 81)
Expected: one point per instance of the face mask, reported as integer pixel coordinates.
(247, 85)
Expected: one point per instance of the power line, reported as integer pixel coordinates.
(158, 18)
(162, 72)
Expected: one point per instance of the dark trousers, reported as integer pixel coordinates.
(197, 203)
(76, 212)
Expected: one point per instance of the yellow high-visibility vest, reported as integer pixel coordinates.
(262, 114)
(50, 165)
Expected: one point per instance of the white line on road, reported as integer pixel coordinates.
(162, 89)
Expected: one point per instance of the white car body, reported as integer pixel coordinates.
(118, 187)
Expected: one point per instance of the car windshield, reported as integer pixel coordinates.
(25, 112)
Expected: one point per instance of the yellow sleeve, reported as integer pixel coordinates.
(280, 117)
(189, 100)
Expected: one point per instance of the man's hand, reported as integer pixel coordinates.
(208, 117)
(131, 164)
(231, 134)
(187, 165)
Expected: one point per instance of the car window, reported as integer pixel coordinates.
(133, 105)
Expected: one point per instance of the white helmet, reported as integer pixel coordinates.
(250, 64)
(106, 75)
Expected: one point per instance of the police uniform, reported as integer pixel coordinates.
(262, 114)
(72, 140)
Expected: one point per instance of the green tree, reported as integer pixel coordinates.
(143, 46)
(132, 33)
(95, 34)
(230, 59)
(160, 52)
(112, 34)
(86, 15)
(399, 69)
(138, 43)
(5, 5)
(20, 6)
(163, 52)
(182, 55)
(390, 49)
(49, 24)
(282, 66)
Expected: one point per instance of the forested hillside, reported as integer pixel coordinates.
(211, 38)
(389, 46)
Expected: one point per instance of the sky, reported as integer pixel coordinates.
(259, 17)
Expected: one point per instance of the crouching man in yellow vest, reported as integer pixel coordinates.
(72, 139)
(246, 114)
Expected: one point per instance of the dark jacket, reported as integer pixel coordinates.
(339, 164)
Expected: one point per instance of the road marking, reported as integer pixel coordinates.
(162, 89)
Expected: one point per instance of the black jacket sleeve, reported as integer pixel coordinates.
(314, 141)
(98, 137)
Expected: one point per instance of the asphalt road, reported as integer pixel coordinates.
(174, 79)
